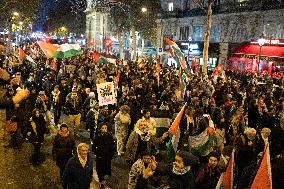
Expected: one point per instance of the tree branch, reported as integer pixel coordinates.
(199, 4)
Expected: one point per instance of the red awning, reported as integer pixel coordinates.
(268, 51)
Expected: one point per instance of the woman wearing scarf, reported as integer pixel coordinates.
(56, 101)
(78, 173)
(36, 134)
(63, 147)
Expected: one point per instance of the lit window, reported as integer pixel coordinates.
(171, 6)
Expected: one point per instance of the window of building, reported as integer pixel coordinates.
(184, 33)
(197, 33)
(214, 36)
(171, 6)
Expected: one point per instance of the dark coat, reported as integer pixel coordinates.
(63, 148)
(76, 176)
(207, 179)
(41, 129)
(6, 103)
(185, 181)
(104, 146)
(74, 107)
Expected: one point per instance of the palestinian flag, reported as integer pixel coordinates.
(104, 60)
(226, 180)
(263, 178)
(202, 144)
(24, 57)
(32, 62)
(174, 134)
(176, 53)
(48, 49)
(67, 50)
(182, 82)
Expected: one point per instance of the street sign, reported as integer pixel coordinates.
(160, 51)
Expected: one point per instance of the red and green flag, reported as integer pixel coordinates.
(176, 53)
(174, 134)
(67, 50)
(24, 57)
(48, 49)
(60, 51)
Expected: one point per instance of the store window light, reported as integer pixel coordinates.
(171, 6)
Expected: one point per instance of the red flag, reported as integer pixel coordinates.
(263, 178)
(226, 180)
(96, 56)
(175, 125)
(158, 67)
(194, 64)
(21, 54)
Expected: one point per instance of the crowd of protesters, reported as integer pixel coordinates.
(246, 112)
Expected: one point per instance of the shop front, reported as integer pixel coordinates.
(262, 56)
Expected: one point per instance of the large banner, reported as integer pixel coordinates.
(106, 94)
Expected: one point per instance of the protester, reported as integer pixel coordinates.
(103, 148)
(208, 176)
(64, 147)
(179, 174)
(122, 121)
(92, 120)
(73, 105)
(78, 172)
(145, 161)
(36, 135)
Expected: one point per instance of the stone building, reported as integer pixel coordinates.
(97, 23)
(234, 22)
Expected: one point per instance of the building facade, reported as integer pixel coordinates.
(97, 24)
(233, 22)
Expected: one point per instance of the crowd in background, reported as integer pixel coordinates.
(246, 112)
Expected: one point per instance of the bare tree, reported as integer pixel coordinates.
(208, 7)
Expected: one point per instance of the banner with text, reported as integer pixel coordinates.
(106, 94)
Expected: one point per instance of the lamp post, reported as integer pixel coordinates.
(261, 42)
(144, 9)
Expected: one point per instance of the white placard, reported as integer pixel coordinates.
(106, 94)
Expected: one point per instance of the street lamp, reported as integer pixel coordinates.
(261, 42)
(144, 9)
(16, 14)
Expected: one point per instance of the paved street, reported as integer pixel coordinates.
(16, 171)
